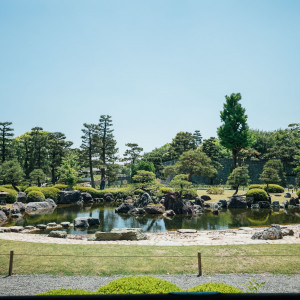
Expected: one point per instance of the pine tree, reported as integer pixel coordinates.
(6, 134)
(132, 154)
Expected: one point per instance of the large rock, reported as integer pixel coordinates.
(178, 205)
(3, 217)
(108, 197)
(46, 206)
(154, 209)
(222, 203)
(271, 233)
(237, 202)
(131, 234)
(264, 204)
(294, 201)
(22, 197)
(58, 234)
(144, 200)
(137, 211)
(85, 222)
(87, 198)
(205, 197)
(287, 195)
(124, 208)
(69, 197)
(17, 207)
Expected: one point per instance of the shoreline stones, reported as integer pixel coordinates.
(272, 233)
(84, 222)
(46, 206)
(58, 234)
(131, 234)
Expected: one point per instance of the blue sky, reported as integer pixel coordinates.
(157, 67)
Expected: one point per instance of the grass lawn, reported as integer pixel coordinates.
(73, 260)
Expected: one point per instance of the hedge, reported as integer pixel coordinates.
(32, 188)
(298, 193)
(215, 287)
(60, 186)
(35, 196)
(258, 194)
(12, 194)
(50, 192)
(273, 188)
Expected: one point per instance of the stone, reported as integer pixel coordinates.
(16, 228)
(16, 216)
(287, 231)
(52, 224)
(199, 201)
(237, 202)
(271, 233)
(275, 203)
(46, 206)
(107, 236)
(6, 229)
(3, 217)
(108, 197)
(205, 197)
(41, 226)
(131, 233)
(124, 208)
(178, 205)
(137, 211)
(65, 224)
(58, 234)
(169, 213)
(85, 222)
(21, 197)
(197, 209)
(222, 203)
(29, 227)
(264, 204)
(69, 197)
(6, 210)
(154, 209)
(285, 203)
(17, 207)
(187, 230)
(87, 198)
(287, 195)
(144, 200)
(294, 201)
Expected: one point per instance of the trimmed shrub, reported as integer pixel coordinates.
(215, 287)
(35, 196)
(66, 292)
(50, 192)
(32, 188)
(138, 285)
(139, 192)
(164, 190)
(189, 193)
(60, 186)
(273, 188)
(298, 193)
(258, 194)
(12, 194)
(215, 191)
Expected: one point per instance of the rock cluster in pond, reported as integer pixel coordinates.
(44, 207)
(274, 232)
(84, 222)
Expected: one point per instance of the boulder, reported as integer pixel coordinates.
(69, 197)
(287, 231)
(52, 224)
(21, 197)
(17, 207)
(197, 209)
(87, 198)
(275, 204)
(287, 195)
(65, 224)
(144, 200)
(6, 210)
(271, 233)
(16, 228)
(205, 197)
(154, 209)
(16, 216)
(46, 206)
(3, 217)
(85, 222)
(264, 204)
(199, 201)
(178, 205)
(41, 226)
(294, 201)
(285, 203)
(137, 211)
(237, 202)
(255, 206)
(58, 234)
(222, 203)
(124, 208)
(108, 197)
(169, 213)
(132, 234)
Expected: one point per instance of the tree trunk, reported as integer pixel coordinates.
(190, 176)
(53, 178)
(15, 187)
(234, 157)
(236, 190)
(91, 163)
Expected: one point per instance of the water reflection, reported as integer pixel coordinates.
(156, 223)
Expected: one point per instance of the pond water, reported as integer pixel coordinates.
(152, 223)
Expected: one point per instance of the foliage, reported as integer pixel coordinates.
(276, 164)
(269, 175)
(142, 165)
(35, 196)
(257, 194)
(132, 154)
(32, 188)
(253, 286)
(37, 176)
(66, 292)
(69, 170)
(164, 190)
(234, 132)
(6, 134)
(212, 148)
(198, 137)
(273, 188)
(183, 141)
(50, 192)
(181, 184)
(60, 186)
(298, 193)
(215, 287)
(143, 176)
(239, 176)
(11, 172)
(138, 285)
(12, 194)
(215, 191)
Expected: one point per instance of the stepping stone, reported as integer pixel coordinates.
(41, 226)
(187, 230)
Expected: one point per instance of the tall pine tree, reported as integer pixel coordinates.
(6, 134)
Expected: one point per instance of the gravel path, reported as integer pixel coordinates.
(28, 285)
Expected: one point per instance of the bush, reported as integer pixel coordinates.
(258, 194)
(189, 194)
(60, 186)
(32, 188)
(66, 292)
(164, 190)
(138, 285)
(35, 196)
(139, 192)
(298, 193)
(273, 188)
(50, 192)
(215, 287)
(12, 194)
(215, 191)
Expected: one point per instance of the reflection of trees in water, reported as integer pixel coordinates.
(239, 217)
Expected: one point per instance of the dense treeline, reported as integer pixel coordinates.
(40, 156)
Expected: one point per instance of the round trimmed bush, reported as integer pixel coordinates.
(215, 191)
(32, 188)
(298, 193)
(12, 194)
(66, 292)
(274, 188)
(258, 194)
(164, 190)
(215, 287)
(255, 186)
(35, 196)
(138, 285)
(189, 194)
(50, 192)
(60, 186)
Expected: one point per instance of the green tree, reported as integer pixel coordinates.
(90, 146)
(37, 176)
(108, 148)
(234, 133)
(143, 176)
(269, 175)
(69, 169)
(132, 154)
(11, 173)
(180, 183)
(6, 134)
(239, 177)
(193, 162)
(198, 137)
(277, 165)
(142, 165)
(183, 141)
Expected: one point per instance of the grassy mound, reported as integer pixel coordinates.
(215, 287)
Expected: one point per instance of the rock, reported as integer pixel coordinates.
(215, 212)
(287, 195)
(65, 224)
(124, 208)
(6, 210)
(107, 236)
(41, 226)
(17, 207)
(16, 216)
(169, 213)
(285, 203)
(22, 197)
(5, 229)
(58, 234)
(272, 233)
(205, 197)
(294, 201)
(154, 209)
(3, 217)
(52, 224)
(197, 209)
(187, 230)
(132, 234)
(275, 204)
(255, 206)
(137, 211)
(87, 198)
(264, 204)
(40, 207)
(222, 203)
(199, 201)
(237, 202)
(69, 197)
(144, 200)
(286, 231)
(16, 228)
(29, 227)
(85, 222)
(178, 205)
(108, 197)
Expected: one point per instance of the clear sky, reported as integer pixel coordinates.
(156, 66)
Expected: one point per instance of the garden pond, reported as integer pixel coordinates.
(225, 219)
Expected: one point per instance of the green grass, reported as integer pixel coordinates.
(214, 259)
